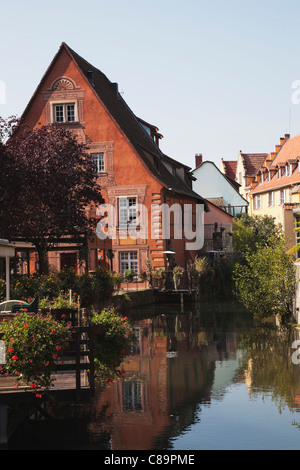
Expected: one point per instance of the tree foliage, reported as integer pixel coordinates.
(254, 232)
(265, 280)
(47, 186)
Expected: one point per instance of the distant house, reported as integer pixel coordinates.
(276, 189)
(217, 229)
(243, 170)
(218, 188)
(132, 170)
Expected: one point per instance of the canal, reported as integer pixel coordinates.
(205, 378)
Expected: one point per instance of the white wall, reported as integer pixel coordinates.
(211, 183)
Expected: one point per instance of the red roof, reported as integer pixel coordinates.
(253, 162)
(289, 152)
(230, 168)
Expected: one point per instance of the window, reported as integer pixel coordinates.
(64, 112)
(281, 197)
(257, 202)
(98, 161)
(127, 210)
(261, 178)
(279, 173)
(132, 395)
(270, 199)
(129, 260)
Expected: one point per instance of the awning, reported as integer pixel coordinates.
(6, 249)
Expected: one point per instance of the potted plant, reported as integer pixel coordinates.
(113, 346)
(177, 273)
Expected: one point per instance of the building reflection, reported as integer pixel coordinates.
(171, 370)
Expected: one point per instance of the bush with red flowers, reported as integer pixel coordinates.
(33, 344)
(113, 346)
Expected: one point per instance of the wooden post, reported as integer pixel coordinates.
(77, 360)
(91, 335)
(181, 301)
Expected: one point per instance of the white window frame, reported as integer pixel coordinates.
(99, 162)
(129, 260)
(282, 197)
(127, 210)
(64, 105)
(257, 202)
(279, 172)
(271, 199)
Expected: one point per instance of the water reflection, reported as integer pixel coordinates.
(207, 378)
(184, 361)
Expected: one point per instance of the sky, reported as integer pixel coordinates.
(215, 77)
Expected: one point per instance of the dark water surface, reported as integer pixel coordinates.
(205, 379)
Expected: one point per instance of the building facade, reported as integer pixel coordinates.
(276, 188)
(218, 188)
(136, 178)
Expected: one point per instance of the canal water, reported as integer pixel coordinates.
(205, 378)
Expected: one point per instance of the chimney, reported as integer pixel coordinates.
(198, 159)
(115, 87)
(90, 75)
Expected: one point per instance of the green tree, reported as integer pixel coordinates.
(265, 280)
(253, 232)
(48, 187)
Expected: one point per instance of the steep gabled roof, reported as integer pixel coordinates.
(129, 124)
(230, 168)
(253, 162)
(289, 152)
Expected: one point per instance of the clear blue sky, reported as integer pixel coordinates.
(215, 76)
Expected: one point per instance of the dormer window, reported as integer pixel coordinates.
(279, 173)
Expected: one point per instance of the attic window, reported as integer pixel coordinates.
(64, 112)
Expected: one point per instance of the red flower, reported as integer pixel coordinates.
(15, 358)
(123, 351)
(33, 385)
(11, 349)
(26, 325)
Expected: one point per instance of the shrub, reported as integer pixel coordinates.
(33, 344)
(111, 348)
(266, 281)
(2, 290)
